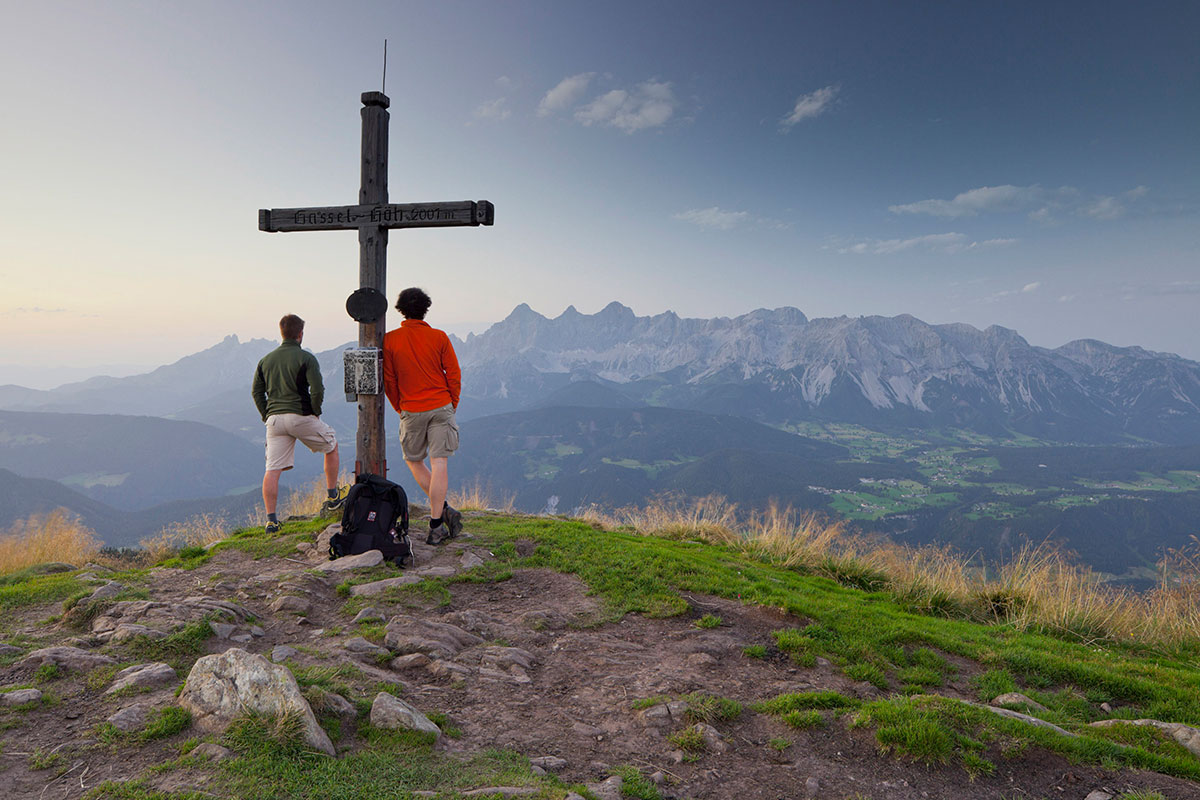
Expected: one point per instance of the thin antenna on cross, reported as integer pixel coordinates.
(384, 89)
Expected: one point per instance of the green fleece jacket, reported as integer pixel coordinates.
(288, 381)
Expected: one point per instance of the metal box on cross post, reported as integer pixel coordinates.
(364, 371)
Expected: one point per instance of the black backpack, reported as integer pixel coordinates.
(375, 517)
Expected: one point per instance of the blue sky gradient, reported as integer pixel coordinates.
(1031, 165)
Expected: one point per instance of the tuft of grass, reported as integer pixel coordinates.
(648, 702)
(710, 708)
(40, 759)
(805, 719)
(47, 672)
(689, 740)
(179, 649)
(871, 673)
(754, 651)
(708, 621)
(779, 745)
(167, 722)
(185, 541)
(635, 784)
(786, 703)
(478, 497)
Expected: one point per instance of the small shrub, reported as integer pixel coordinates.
(47, 672)
(689, 740)
(709, 708)
(57, 536)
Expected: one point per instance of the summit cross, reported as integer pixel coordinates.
(372, 218)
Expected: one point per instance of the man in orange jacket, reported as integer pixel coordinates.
(422, 381)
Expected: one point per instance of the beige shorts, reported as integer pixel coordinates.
(284, 429)
(433, 433)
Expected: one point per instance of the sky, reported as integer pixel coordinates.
(1026, 164)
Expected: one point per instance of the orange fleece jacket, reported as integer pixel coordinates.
(420, 369)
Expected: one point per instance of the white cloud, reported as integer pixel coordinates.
(1031, 287)
(1066, 298)
(808, 106)
(493, 109)
(949, 242)
(505, 83)
(972, 202)
(1042, 205)
(34, 310)
(565, 94)
(649, 105)
(713, 218)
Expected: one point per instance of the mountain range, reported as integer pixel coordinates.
(772, 366)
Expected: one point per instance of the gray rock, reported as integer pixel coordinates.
(1018, 699)
(130, 718)
(1041, 723)
(322, 544)
(812, 786)
(282, 652)
(128, 630)
(105, 592)
(143, 676)
(412, 635)
(1098, 794)
(66, 657)
(360, 646)
(410, 661)
(223, 630)
(211, 751)
(712, 739)
(389, 711)
(290, 604)
(369, 614)
(20, 697)
(377, 587)
(220, 687)
(609, 789)
(504, 657)
(371, 558)
(503, 791)
(447, 669)
(551, 763)
(257, 632)
(470, 560)
(436, 572)
(242, 638)
(9, 650)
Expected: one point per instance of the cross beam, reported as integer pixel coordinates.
(372, 218)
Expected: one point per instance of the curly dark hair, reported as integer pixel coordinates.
(413, 303)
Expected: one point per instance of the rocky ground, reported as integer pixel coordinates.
(519, 664)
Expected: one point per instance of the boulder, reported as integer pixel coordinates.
(1018, 699)
(282, 652)
(389, 711)
(130, 718)
(371, 558)
(369, 614)
(1186, 735)
(143, 676)
(221, 687)
(361, 647)
(211, 751)
(66, 657)
(290, 604)
(129, 630)
(375, 587)
(105, 592)
(20, 697)
(412, 635)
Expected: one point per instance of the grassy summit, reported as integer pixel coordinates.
(773, 650)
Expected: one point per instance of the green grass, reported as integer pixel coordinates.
(689, 740)
(754, 651)
(179, 649)
(30, 588)
(708, 621)
(703, 707)
(805, 719)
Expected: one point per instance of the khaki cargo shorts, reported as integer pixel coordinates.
(433, 433)
(284, 429)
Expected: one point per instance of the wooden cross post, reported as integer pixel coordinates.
(372, 218)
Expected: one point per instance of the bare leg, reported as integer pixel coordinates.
(432, 482)
(420, 473)
(438, 482)
(331, 468)
(270, 489)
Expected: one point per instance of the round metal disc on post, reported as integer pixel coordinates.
(366, 305)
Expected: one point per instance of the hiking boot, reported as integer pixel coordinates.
(334, 504)
(272, 527)
(453, 519)
(437, 535)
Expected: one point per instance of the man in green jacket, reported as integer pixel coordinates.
(288, 392)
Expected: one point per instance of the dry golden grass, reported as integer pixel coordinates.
(54, 536)
(1040, 587)
(477, 497)
(306, 500)
(199, 531)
